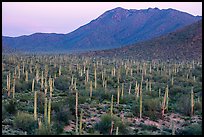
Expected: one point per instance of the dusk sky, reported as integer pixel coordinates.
(25, 18)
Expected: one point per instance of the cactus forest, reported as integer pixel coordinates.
(59, 94)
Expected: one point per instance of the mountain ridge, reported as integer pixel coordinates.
(114, 28)
(182, 44)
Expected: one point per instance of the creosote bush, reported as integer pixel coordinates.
(25, 121)
(62, 114)
(11, 107)
(183, 105)
(62, 83)
(104, 126)
(152, 108)
(194, 129)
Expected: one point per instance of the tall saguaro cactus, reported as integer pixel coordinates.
(118, 96)
(35, 105)
(14, 84)
(192, 102)
(87, 75)
(49, 112)
(146, 84)
(51, 86)
(26, 78)
(130, 88)
(46, 87)
(111, 109)
(76, 113)
(95, 77)
(42, 80)
(150, 87)
(37, 75)
(45, 110)
(122, 90)
(141, 101)
(172, 81)
(116, 131)
(167, 97)
(33, 85)
(80, 123)
(60, 70)
(165, 102)
(8, 83)
(90, 89)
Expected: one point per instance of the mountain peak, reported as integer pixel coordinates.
(118, 9)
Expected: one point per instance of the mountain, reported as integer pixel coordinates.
(183, 44)
(114, 28)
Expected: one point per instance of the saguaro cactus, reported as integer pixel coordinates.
(23, 67)
(111, 130)
(165, 102)
(60, 70)
(167, 97)
(49, 112)
(130, 88)
(76, 113)
(45, 110)
(122, 90)
(172, 81)
(51, 86)
(87, 75)
(90, 89)
(80, 123)
(95, 77)
(146, 84)
(46, 86)
(35, 105)
(37, 75)
(26, 78)
(192, 102)
(42, 81)
(141, 101)
(14, 84)
(19, 71)
(33, 84)
(75, 84)
(150, 87)
(118, 96)
(116, 131)
(159, 92)
(111, 109)
(8, 83)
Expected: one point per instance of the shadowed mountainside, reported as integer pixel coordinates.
(183, 44)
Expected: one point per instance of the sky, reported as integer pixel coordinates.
(25, 18)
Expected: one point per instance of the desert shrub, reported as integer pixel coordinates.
(40, 101)
(57, 128)
(148, 127)
(104, 125)
(62, 83)
(11, 106)
(151, 108)
(4, 112)
(25, 121)
(183, 105)
(43, 130)
(22, 86)
(194, 129)
(198, 106)
(135, 108)
(176, 89)
(62, 113)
